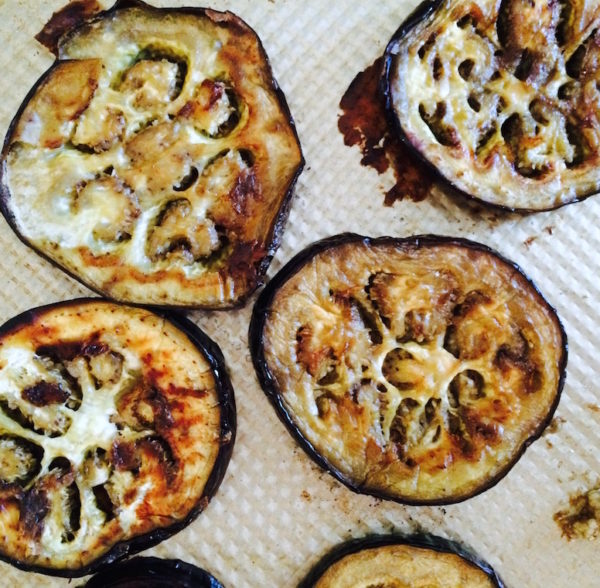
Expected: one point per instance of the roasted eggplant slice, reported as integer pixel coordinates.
(155, 160)
(501, 97)
(116, 427)
(396, 561)
(152, 572)
(413, 369)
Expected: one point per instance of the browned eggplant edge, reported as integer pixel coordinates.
(153, 572)
(213, 354)
(422, 540)
(277, 228)
(419, 14)
(260, 314)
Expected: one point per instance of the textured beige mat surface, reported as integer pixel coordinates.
(276, 513)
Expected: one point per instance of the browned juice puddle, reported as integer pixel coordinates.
(364, 123)
(65, 19)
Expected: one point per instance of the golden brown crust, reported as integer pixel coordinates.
(174, 106)
(110, 428)
(417, 369)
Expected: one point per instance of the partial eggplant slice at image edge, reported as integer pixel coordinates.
(199, 343)
(421, 542)
(429, 9)
(153, 572)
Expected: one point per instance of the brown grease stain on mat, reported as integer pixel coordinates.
(581, 520)
(364, 123)
(555, 424)
(65, 19)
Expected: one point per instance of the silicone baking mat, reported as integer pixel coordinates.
(277, 513)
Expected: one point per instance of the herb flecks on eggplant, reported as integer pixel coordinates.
(152, 572)
(389, 560)
(501, 98)
(116, 427)
(155, 149)
(413, 369)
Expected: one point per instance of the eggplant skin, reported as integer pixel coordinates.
(387, 358)
(165, 158)
(149, 424)
(153, 572)
(389, 553)
(508, 113)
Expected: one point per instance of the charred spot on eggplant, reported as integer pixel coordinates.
(157, 137)
(134, 460)
(415, 369)
(152, 572)
(509, 113)
(383, 561)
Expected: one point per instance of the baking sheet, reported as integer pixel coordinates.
(277, 513)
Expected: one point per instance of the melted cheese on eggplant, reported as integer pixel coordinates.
(502, 98)
(156, 100)
(415, 370)
(140, 444)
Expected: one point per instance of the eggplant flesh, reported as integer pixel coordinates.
(401, 562)
(154, 161)
(501, 98)
(152, 572)
(413, 369)
(149, 427)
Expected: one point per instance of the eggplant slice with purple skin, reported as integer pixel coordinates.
(415, 369)
(501, 98)
(116, 428)
(152, 572)
(155, 160)
(394, 560)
